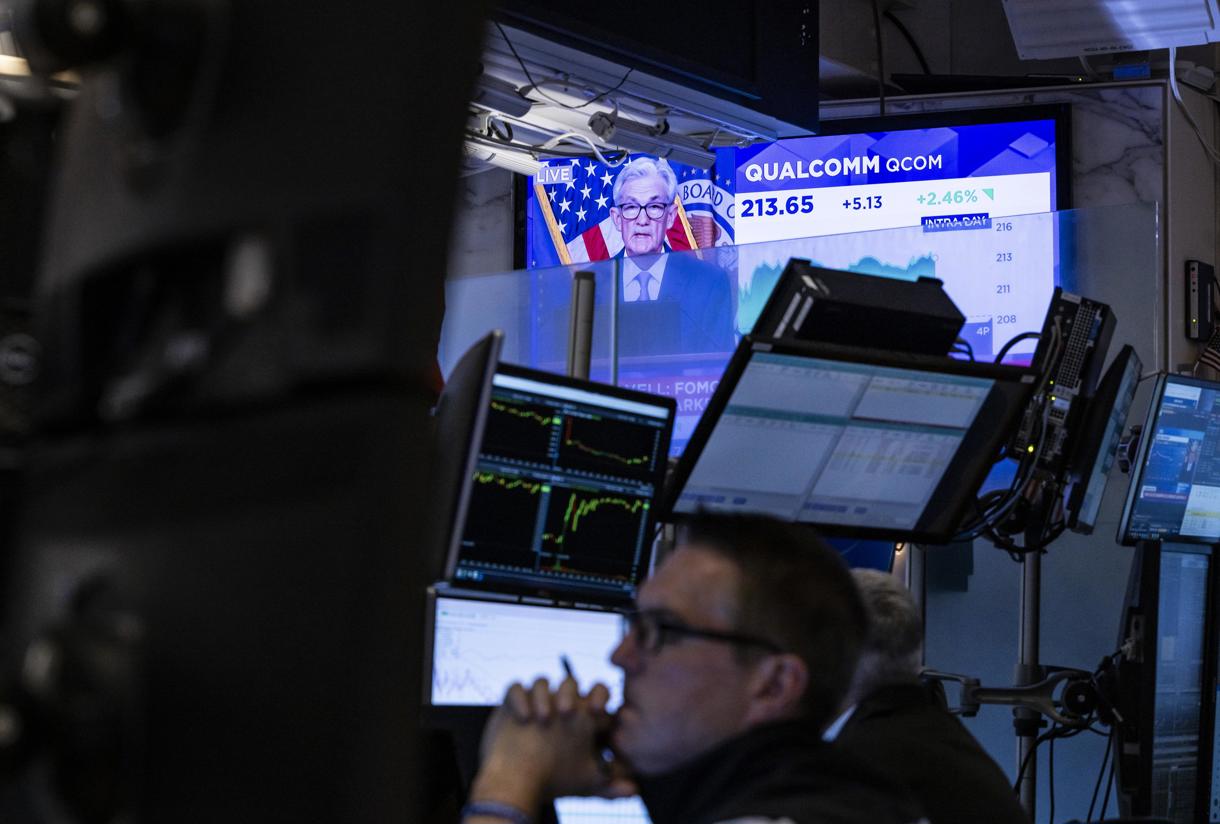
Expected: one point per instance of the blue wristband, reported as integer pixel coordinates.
(495, 809)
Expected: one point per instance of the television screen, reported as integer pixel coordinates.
(964, 197)
(1175, 486)
(951, 178)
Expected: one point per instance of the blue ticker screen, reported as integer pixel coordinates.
(966, 203)
(1178, 488)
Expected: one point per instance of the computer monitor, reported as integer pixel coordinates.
(1097, 441)
(461, 415)
(477, 647)
(1175, 484)
(601, 811)
(1162, 696)
(562, 501)
(856, 441)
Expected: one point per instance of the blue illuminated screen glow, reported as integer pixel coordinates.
(968, 204)
(1176, 495)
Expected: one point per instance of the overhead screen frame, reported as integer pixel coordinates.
(1147, 433)
(572, 593)
(1060, 113)
(967, 471)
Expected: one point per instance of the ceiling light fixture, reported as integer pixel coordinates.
(637, 137)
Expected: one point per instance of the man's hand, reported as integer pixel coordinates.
(541, 745)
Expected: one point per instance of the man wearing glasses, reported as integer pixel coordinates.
(740, 652)
(645, 207)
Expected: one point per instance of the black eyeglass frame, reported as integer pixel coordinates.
(646, 207)
(632, 619)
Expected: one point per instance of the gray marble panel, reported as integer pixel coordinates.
(482, 233)
(1118, 134)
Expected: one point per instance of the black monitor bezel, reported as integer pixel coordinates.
(969, 469)
(483, 357)
(1141, 457)
(1088, 450)
(571, 593)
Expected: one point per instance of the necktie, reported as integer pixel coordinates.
(645, 281)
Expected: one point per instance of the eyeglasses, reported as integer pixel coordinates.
(652, 632)
(631, 211)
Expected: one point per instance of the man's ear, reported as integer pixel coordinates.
(777, 688)
(616, 219)
(672, 214)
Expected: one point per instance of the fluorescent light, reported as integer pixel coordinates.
(1044, 29)
(637, 137)
(515, 161)
(499, 96)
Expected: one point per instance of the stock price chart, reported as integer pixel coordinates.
(584, 532)
(562, 495)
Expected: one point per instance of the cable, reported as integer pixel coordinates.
(1014, 341)
(1105, 804)
(906, 33)
(1177, 96)
(989, 521)
(1050, 778)
(1100, 773)
(1056, 731)
(880, 57)
(969, 349)
(554, 141)
(533, 150)
(535, 87)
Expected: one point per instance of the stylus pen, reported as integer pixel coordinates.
(567, 667)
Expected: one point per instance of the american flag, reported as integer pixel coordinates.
(577, 212)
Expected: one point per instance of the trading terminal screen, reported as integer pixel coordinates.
(480, 648)
(833, 442)
(1176, 495)
(562, 497)
(1181, 622)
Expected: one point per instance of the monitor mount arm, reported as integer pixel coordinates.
(1066, 696)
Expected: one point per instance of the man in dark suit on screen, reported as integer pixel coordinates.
(693, 309)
